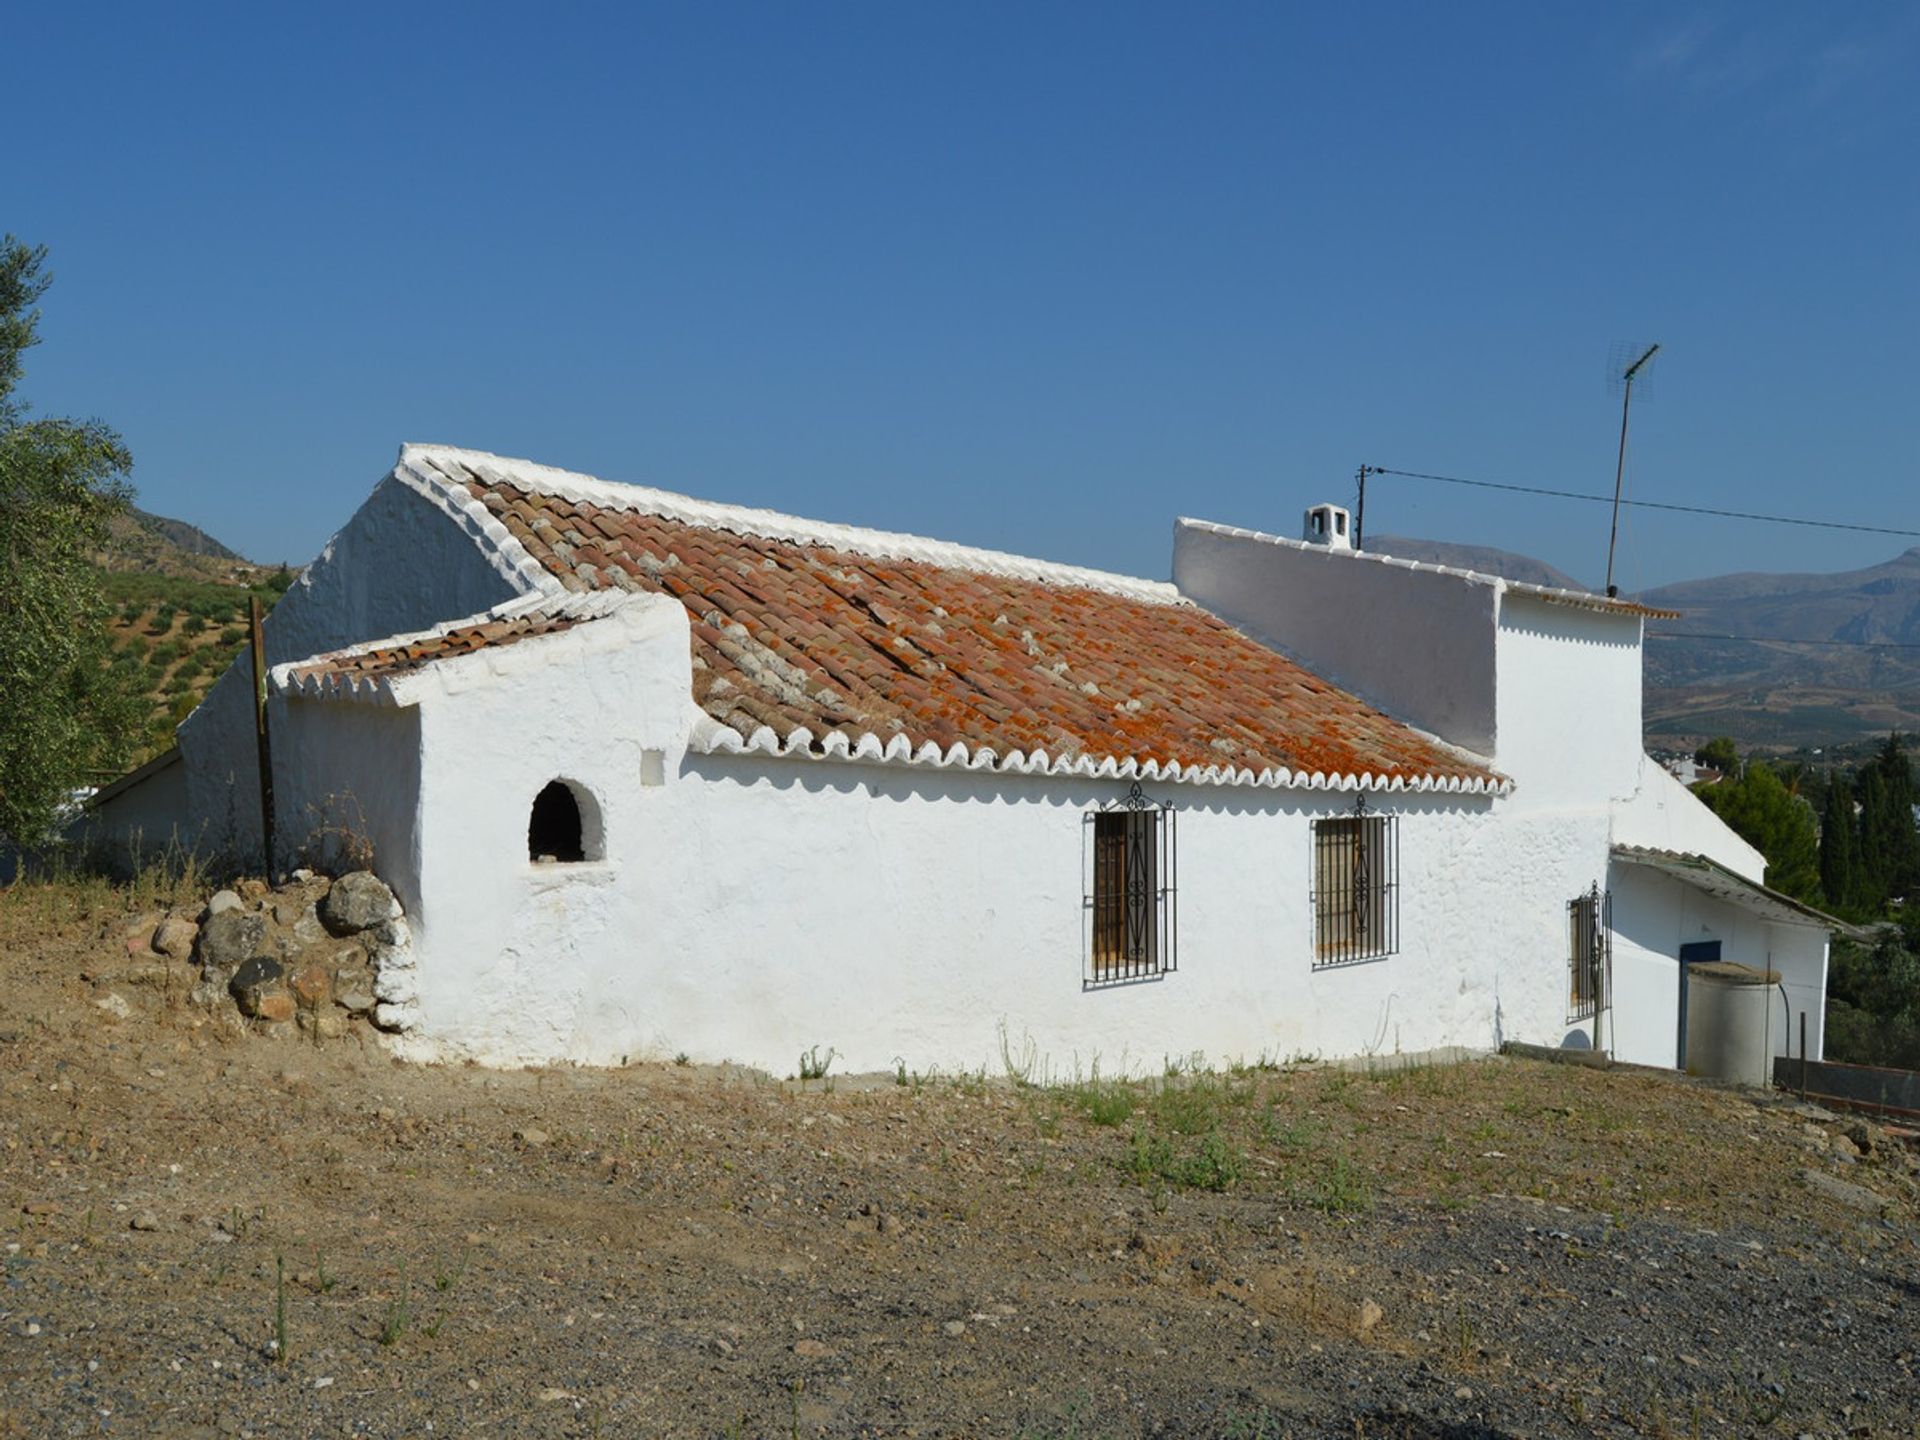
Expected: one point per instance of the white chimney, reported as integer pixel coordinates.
(1329, 525)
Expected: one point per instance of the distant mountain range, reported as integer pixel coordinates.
(1797, 669)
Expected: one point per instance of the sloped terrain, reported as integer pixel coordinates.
(179, 614)
(1495, 1249)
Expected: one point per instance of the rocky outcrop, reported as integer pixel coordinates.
(317, 954)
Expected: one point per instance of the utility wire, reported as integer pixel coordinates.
(1646, 504)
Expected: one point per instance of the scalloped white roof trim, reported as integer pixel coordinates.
(711, 737)
(417, 465)
(1584, 599)
(379, 689)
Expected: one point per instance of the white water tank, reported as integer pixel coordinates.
(1729, 1007)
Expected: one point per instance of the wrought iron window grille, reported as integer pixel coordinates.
(1354, 893)
(1131, 901)
(1589, 952)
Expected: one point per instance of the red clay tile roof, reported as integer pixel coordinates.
(793, 636)
(384, 661)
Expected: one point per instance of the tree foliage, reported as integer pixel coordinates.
(1873, 999)
(1840, 849)
(64, 720)
(1775, 822)
(1719, 754)
(1886, 821)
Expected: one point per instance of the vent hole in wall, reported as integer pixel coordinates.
(556, 832)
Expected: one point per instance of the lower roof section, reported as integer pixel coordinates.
(1712, 878)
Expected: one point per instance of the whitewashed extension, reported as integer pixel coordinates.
(656, 776)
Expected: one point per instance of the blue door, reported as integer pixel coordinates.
(1699, 953)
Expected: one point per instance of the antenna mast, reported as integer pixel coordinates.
(1620, 465)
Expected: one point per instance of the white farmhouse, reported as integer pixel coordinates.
(656, 776)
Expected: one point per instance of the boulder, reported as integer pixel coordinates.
(358, 901)
(257, 981)
(229, 939)
(175, 936)
(312, 984)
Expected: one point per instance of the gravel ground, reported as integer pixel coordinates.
(1495, 1249)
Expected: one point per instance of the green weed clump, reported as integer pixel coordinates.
(1214, 1164)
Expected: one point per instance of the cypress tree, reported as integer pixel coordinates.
(1897, 837)
(1870, 856)
(1839, 846)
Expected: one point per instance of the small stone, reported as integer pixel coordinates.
(1854, 1197)
(356, 999)
(1844, 1147)
(174, 937)
(41, 1207)
(222, 901)
(145, 1220)
(255, 981)
(531, 1138)
(1463, 1393)
(276, 1008)
(114, 1005)
(1370, 1315)
(1862, 1136)
(252, 888)
(322, 1024)
(890, 1224)
(229, 939)
(954, 1329)
(813, 1349)
(312, 984)
(302, 876)
(359, 900)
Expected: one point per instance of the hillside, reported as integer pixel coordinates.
(222, 1227)
(1483, 558)
(1794, 687)
(1769, 693)
(179, 601)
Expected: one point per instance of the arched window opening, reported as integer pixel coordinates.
(556, 833)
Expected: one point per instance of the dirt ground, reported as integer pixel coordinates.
(1501, 1248)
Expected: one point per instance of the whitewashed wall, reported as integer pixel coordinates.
(1664, 815)
(1417, 643)
(749, 909)
(1653, 916)
(398, 565)
(347, 789)
(1568, 707)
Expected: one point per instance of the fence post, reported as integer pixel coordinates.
(263, 749)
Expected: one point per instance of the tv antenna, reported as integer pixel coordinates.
(1620, 465)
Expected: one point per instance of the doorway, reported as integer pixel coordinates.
(1701, 952)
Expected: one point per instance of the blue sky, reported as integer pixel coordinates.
(1039, 277)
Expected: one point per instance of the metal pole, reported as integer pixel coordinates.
(1360, 512)
(1620, 464)
(1803, 1054)
(262, 748)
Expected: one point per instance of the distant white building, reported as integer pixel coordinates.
(657, 776)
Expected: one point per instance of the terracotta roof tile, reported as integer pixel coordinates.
(791, 635)
(387, 661)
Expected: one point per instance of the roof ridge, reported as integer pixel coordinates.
(777, 525)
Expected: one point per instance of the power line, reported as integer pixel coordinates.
(1647, 504)
(1653, 634)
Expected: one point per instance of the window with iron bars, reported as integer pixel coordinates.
(1589, 952)
(1131, 899)
(1356, 887)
